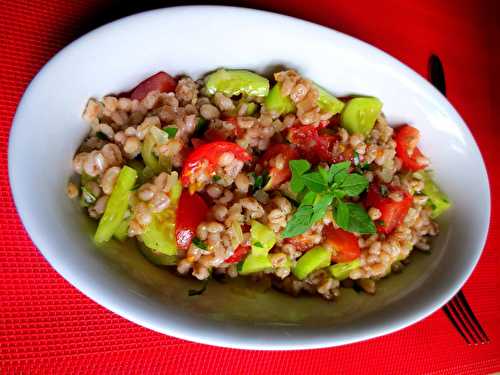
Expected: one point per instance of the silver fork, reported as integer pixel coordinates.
(465, 322)
(457, 309)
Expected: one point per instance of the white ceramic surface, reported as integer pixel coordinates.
(48, 128)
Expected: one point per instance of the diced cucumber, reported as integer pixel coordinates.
(159, 235)
(341, 271)
(121, 233)
(156, 257)
(277, 103)
(255, 263)
(150, 159)
(236, 82)
(316, 258)
(327, 102)
(262, 237)
(117, 205)
(359, 114)
(437, 199)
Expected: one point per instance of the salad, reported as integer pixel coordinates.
(235, 175)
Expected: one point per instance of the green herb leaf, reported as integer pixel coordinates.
(321, 206)
(325, 174)
(314, 182)
(216, 178)
(258, 244)
(356, 160)
(201, 127)
(298, 168)
(341, 215)
(171, 131)
(300, 221)
(335, 169)
(384, 191)
(87, 198)
(197, 292)
(309, 198)
(353, 218)
(239, 266)
(199, 243)
(354, 184)
(260, 181)
(101, 136)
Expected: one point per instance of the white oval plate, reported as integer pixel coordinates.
(48, 128)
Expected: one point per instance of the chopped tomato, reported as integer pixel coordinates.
(393, 213)
(204, 160)
(407, 138)
(344, 243)
(314, 146)
(302, 242)
(278, 175)
(161, 81)
(238, 254)
(191, 211)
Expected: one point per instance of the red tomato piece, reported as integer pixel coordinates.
(302, 242)
(314, 146)
(161, 81)
(238, 254)
(344, 243)
(407, 138)
(191, 211)
(207, 157)
(278, 175)
(393, 213)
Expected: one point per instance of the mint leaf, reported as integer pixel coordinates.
(298, 168)
(341, 215)
(314, 182)
(335, 169)
(197, 292)
(300, 221)
(353, 218)
(354, 184)
(101, 136)
(309, 198)
(171, 131)
(324, 173)
(199, 243)
(260, 181)
(384, 191)
(321, 206)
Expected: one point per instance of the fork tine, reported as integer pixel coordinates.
(473, 333)
(448, 313)
(460, 321)
(462, 301)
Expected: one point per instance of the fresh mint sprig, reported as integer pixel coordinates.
(324, 188)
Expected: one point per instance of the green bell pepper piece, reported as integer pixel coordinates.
(341, 271)
(117, 205)
(236, 82)
(316, 258)
(359, 114)
(262, 238)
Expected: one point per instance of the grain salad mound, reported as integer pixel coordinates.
(233, 176)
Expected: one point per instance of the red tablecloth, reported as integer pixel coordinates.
(47, 326)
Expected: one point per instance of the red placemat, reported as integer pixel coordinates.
(47, 326)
